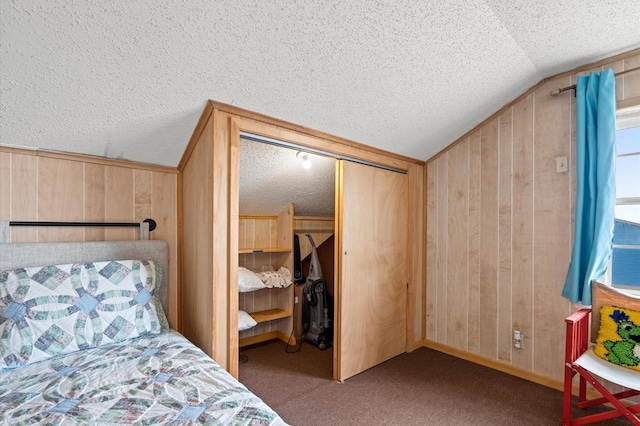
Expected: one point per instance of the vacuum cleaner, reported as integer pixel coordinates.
(317, 309)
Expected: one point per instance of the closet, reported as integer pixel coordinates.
(379, 242)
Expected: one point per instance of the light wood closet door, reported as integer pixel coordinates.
(373, 287)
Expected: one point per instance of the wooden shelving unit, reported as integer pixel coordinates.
(265, 250)
(270, 315)
(267, 241)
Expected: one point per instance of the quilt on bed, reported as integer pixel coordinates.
(148, 380)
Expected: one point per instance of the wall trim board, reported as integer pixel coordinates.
(316, 218)
(195, 136)
(628, 103)
(85, 158)
(598, 63)
(522, 373)
(532, 89)
(180, 250)
(327, 145)
(540, 379)
(237, 111)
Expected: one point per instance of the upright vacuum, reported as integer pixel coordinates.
(317, 308)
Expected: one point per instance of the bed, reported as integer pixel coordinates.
(84, 340)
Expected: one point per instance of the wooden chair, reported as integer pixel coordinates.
(580, 358)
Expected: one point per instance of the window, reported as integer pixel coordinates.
(625, 262)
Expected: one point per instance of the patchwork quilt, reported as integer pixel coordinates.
(153, 379)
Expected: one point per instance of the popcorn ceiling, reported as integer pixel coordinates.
(129, 79)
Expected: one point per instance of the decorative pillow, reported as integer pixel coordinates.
(245, 321)
(602, 294)
(619, 336)
(50, 310)
(248, 281)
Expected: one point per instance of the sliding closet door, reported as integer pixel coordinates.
(372, 209)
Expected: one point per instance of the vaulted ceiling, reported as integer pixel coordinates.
(129, 79)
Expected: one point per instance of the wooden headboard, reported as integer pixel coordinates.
(21, 255)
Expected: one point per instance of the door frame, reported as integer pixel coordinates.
(228, 122)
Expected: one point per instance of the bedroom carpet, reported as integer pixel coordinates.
(424, 387)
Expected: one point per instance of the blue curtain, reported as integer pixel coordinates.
(596, 190)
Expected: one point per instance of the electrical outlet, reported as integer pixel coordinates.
(295, 299)
(517, 339)
(561, 164)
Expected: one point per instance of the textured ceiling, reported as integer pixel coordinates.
(271, 177)
(129, 79)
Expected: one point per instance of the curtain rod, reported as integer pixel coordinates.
(151, 222)
(556, 92)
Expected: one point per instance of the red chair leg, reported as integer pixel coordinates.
(622, 410)
(566, 406)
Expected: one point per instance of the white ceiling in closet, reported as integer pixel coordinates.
(271, 177)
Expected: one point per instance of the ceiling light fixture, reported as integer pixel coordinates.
(306, 163)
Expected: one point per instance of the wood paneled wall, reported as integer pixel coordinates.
(39, 186)
(499, 230)
(196, 184)
(320, 229)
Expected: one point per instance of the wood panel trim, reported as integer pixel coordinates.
(316, 218)
(85, 158)
(221, 223)
(240, 112)
(180, 251)
(329, 146)
(410, 343)
(522, 373)
(628, 103)
(257, 216)
(507, 368)
(535, 87)
(233, 206)
(337, 272)
(595, 64)
(195, 136)
(425, 248)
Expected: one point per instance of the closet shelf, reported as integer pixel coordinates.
(265, 250)
(269, 314)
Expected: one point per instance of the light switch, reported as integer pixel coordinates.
(561, 164)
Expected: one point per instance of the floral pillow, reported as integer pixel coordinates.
(50, 310)
(619, 336)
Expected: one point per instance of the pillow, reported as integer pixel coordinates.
(50, 310)
(245, 321)
(602, 294)
(619, 336)
(248, 281)
(159, 284)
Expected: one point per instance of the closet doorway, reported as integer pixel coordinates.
(282, 192)
(209, 249)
